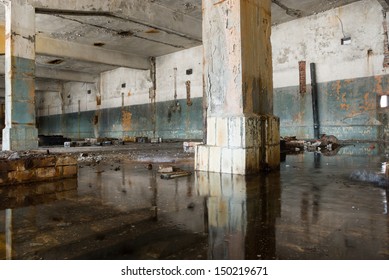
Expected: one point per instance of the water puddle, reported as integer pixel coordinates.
(313, 208)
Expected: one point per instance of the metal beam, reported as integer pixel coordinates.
(59, 48)
(139, 11)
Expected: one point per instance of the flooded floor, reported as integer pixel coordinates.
(315, 207)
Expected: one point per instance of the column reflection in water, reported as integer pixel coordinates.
(8, 234)
(240, 214)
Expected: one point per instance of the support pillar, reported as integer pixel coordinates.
(20, 132)
(242, 133)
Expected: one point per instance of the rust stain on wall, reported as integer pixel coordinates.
(380, 87)
(98, 100)
(338, 87)
(367, 106)
(298, 118)
(126, 120)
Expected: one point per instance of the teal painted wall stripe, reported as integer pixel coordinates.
(185, 123)
(348, 109)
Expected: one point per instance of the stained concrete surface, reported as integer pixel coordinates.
(120, 209)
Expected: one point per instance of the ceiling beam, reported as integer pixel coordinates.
(140, 11)
(60, 48)
(62, 75)
(65, 75)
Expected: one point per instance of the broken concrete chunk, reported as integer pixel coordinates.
(189, 147)
(165, 169)
(14, 155)
(176, 174)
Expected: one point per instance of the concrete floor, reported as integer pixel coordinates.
(118, 208)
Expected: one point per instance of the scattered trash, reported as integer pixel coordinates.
(155, 140)
(89, 158)
(91, 141)
(69, 144)
(142, 139)
(328, 145)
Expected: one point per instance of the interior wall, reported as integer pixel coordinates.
(123, 103)
(179, 94)
(351, 78)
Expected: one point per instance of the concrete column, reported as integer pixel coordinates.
(20, 132)
(242, 133)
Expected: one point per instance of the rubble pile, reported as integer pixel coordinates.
(327, 144)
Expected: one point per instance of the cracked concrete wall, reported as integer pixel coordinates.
(351, 78)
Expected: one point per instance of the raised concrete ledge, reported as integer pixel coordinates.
(37, 168)
(240, 145)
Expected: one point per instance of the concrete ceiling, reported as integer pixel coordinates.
(77, 41)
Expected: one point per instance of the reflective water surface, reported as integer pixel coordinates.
(311, 209)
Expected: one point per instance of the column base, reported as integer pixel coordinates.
(240, 145)
(19, 139)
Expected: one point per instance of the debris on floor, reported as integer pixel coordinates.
(189, 147)
(170, 172)
(165, 169)
(327, 144)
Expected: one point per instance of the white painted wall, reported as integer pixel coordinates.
(72, 96)
(136, 90)
(182, 60)
(137, 86)
(48, 103)
(318, 39)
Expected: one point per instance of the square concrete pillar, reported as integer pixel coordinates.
(242, 133)
(20, 132)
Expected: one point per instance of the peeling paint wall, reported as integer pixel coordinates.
(122, 104)
(351, 78)
(179, 105)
